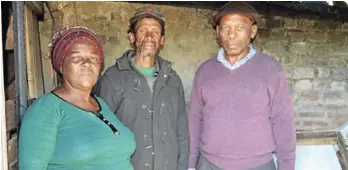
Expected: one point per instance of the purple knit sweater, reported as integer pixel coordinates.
(238, 118)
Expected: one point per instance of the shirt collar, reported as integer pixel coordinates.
(221, 57)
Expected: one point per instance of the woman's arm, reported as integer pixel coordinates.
(37, 138)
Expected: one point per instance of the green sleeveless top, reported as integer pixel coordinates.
(58, 135)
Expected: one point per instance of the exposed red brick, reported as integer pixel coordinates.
(338, 115)
(312, 114)
(298, 123)
(311, 95)
(315, 123)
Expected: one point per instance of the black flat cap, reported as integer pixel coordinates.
(237, 7)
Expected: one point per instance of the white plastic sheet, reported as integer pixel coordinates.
(316, 157)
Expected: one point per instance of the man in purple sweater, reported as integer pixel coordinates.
(241, 109)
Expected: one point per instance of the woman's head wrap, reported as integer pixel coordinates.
(64, 38)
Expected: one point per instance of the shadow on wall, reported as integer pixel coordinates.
(8, 54)
(306, 9)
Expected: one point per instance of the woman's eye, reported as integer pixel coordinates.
(74, 58)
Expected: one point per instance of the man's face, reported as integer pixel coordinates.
(234, 34)
(148, 37)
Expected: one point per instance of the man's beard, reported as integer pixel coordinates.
(146, 53)
(142, 51)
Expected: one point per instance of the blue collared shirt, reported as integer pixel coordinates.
(221, 58)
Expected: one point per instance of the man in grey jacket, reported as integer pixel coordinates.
(147, 95)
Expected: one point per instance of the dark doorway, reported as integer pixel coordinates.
(8, 53)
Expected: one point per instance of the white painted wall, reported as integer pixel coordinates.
(3, 140)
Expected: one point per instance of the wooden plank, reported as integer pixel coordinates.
(316, 134)
(12, 151)
(33, 54)
(340, 156)
(9, 44)
(37, 60)
(35, 6)
(326, 138)
(10, 115)
(317, 141)
(343, 151)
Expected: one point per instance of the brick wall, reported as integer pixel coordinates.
(313, 51)
(320, 96)
(315, 56)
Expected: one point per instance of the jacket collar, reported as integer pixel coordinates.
(124, 62)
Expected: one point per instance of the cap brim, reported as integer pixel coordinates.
(139, 17)
(254, 19)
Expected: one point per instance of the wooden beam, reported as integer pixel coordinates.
(35, 6)
(316, 134)
(326, 138)
(317, 141)
(33, 54)
(343, 150)
(304, 9)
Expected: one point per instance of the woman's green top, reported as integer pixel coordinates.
(57, 135)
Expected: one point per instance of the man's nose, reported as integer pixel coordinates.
(232, 33)
(149, 35)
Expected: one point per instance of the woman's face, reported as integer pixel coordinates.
(81, 66)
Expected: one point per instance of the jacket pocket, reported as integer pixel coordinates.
(126, 113)
(167, 115)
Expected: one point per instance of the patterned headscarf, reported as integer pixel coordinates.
(63, 39)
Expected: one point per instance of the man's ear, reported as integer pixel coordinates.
(253, 31)
(217, 30)
(131, 37)
(162, 40)
(217, 37)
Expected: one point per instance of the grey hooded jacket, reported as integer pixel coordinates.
(158, 118)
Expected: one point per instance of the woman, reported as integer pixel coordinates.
(69, 128)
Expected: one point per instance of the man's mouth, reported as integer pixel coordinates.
(231, 46)
(149, 45)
